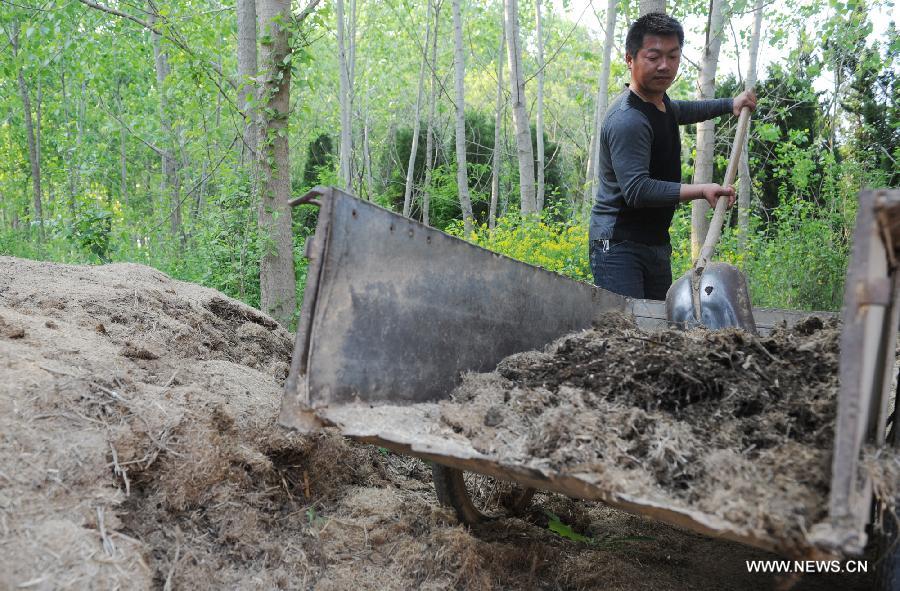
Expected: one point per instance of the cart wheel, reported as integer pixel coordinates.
(476, 497)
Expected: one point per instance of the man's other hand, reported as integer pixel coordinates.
(712, 191)
(708, 191)
(745, 99)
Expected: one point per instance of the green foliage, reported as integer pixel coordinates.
(557, 526)
(789, 112)
(479, 161)
(564, 530)
(227, 248)
(444, 197)
(396, 159)
(90, 229)
(320, 155)
(872, 102)
(559, 246)
(555, 197)
(313, 518)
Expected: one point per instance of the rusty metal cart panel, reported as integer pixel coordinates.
(394, 312)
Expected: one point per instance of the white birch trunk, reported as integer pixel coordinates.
(539, 115)
(69, 153)
(411, 167)
(169, 185)
(80, 121)
(706, 130)
(353, 107)
(33, 149)
(511, 163)
(462, 177)
(123, 160)
(32, 152)
(648, 6)
(39, 101)
(745, 188)
(429, 135)
(602, 103)
(498, 122)
(123, 165)
(520, 115)
(346, 147)
(367, 154)
(247, 71)
(590, 165)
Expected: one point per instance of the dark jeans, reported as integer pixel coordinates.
(632, 269)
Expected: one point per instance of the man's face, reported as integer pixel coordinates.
(655, 66)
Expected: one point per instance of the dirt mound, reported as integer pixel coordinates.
(139, 450)
(725, 422)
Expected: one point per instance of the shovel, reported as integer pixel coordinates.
(714, 295)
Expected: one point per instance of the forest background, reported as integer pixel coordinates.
(173, 133)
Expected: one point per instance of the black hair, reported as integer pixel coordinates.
(653, 23)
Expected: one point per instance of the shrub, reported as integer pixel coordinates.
(544, 241)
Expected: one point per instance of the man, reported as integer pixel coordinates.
(640, 165)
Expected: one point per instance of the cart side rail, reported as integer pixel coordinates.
(868, 341)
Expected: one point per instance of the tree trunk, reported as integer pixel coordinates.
(367, 154)
(590, 166)
(39, 101)
(276, 269)
(80, 120)
(169, 184)
(745, 188)
(32, 153)
(498, 122)
(33, 158)
(123, 160)
(510, 164)
(520, 114)
(430, 151)
(706, 130)
(344, 173)
(247, 71)
(411, 167)
(648, 6)
(462, 177)
(211, 149)
(590, 182)
(70, 154)
(539, 117)
(351, 77)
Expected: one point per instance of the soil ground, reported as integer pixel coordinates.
(139, 450)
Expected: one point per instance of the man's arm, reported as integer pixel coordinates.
(697, 111)
(630, 139)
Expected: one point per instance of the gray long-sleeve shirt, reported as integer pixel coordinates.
(640, 166)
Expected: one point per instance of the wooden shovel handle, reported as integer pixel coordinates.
(715, 226)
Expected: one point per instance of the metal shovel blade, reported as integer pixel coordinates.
(724, 300)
